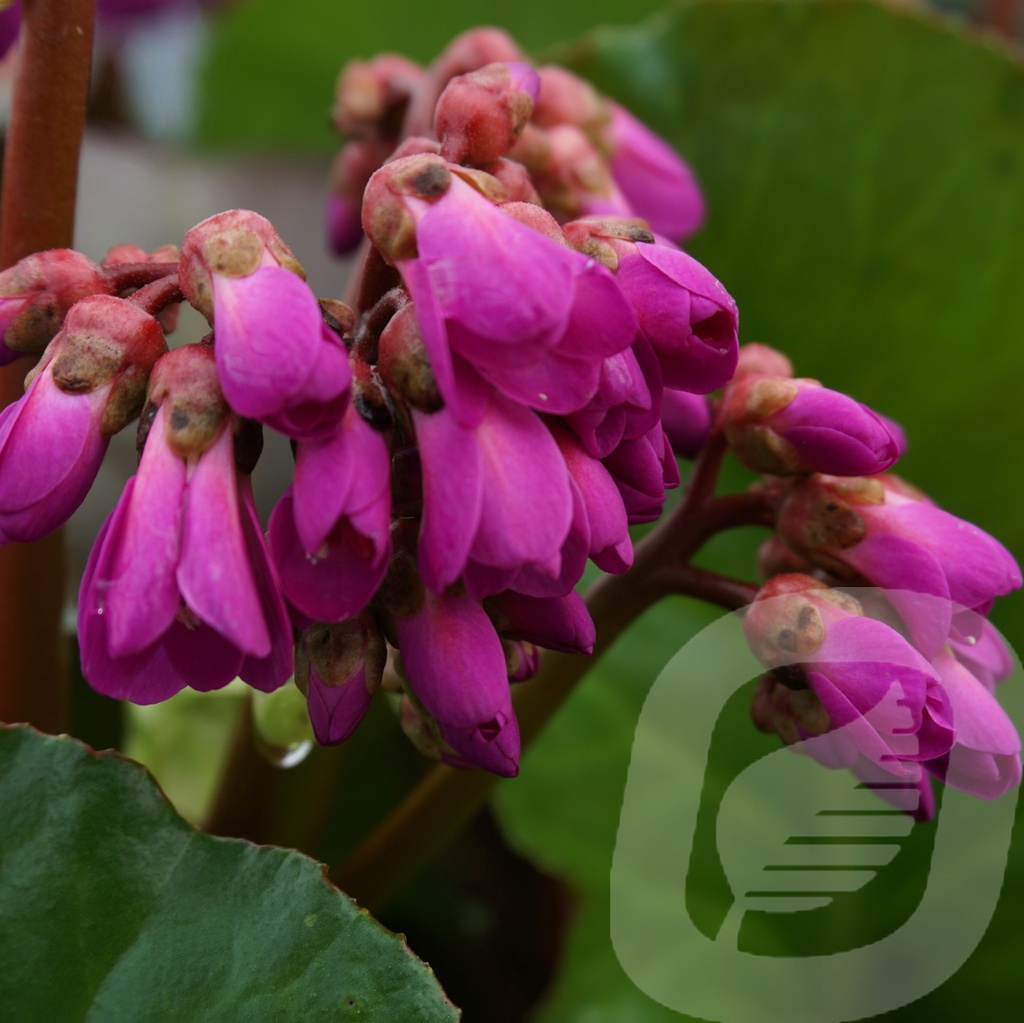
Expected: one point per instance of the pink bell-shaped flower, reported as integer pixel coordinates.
(179, 590)
(278, 361)
(90, 383)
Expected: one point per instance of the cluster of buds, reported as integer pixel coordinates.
(873, 618)
(522, 357)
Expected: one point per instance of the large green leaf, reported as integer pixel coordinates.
(113, 908)
(268, 77)
(864, 165)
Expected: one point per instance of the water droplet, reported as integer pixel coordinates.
(284, 756)
(971, 640)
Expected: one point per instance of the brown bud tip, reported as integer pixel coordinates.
(48, 284)
(185, 381)
(387, 219)
(229, 244)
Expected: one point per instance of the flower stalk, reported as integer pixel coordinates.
(37, 210)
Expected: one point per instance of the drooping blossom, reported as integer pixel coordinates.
(497, 495)
(687, 315)
(329, 533)
(985, 758)
(654, 178)
(496, 298)
(338, 668)
(881, 531)
(871, 694)
(277, 360)
(792, 426)
(179, 590)
(90, 383)
(456, 667)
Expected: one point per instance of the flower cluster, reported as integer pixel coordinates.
(522, 356)
(874, 615)
(483, 418)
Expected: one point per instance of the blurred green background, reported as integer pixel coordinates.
(864, 167)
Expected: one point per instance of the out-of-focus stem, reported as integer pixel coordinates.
(444, 802)
(37, 211)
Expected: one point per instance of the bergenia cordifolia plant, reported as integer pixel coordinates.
(524, 353)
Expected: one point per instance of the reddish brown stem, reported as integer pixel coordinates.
(447, 799)
(37, 211)
(123, 276)
(158, 295)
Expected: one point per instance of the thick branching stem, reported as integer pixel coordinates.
(37, 212)
(444, 802)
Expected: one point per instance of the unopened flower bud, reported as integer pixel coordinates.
(232, 244)
(473, 49)
(756, 359)
(338, 668)
(784, 630)
(515, 179)
(789, 427)
(351, 170)
(480, 115)
(371, 96)
(403, 362)
(185, 381)
(566, 99)
(521, 659)
(36, 294)
(107, 342)
(388, 216)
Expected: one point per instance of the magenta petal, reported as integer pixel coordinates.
(602, 322)
(270, 344)
(335, 711)
(985, 759)
(526, 507)
(204, 658)
(451, 460)
(270, 672)
(338, 580)
(454, 660)
(144, 677)
(344, 473)
(654, 178)
(689, 318)
(214, 573)
(686, 419)
(51, 448)
(915, 583)
(494, 745)
(558, 623)
(142, 596)
(500, 279)
(555, 383)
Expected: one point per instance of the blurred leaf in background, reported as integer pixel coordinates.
(269, 77)
(864, 167)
